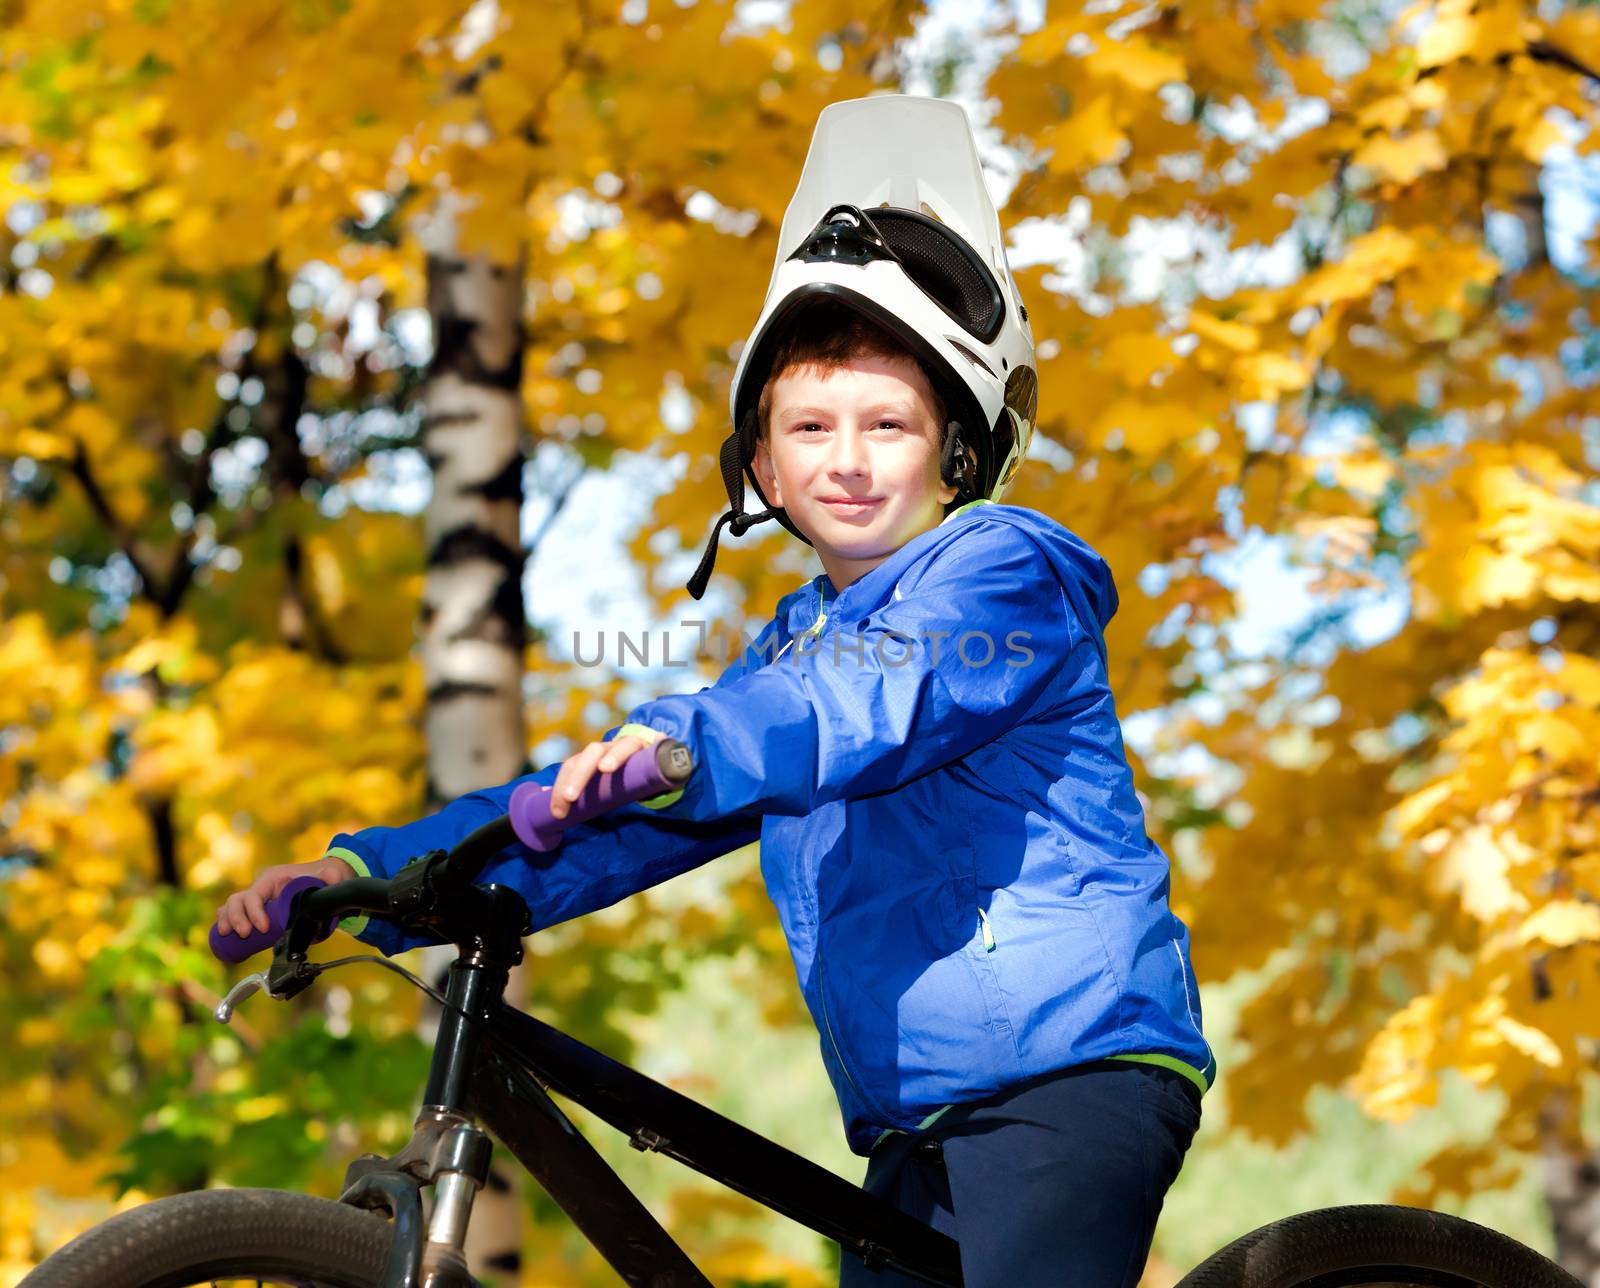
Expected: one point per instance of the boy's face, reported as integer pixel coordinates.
(852, 455)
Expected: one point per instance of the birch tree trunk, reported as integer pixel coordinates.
(473, 621)
(1572, 1189)
(473, 627)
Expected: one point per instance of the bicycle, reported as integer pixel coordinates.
(497, 1066)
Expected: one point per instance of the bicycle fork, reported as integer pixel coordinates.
(447, 1149)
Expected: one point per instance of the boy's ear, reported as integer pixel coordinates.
(762, 464)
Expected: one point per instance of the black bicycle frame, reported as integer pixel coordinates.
(525, 1056)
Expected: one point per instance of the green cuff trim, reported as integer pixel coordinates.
(1169, 1062)
(351, 925)
(651, 737)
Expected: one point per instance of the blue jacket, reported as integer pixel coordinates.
(932, 761)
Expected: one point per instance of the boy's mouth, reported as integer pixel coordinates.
(851, 504)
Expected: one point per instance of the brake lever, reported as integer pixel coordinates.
(247, 986)
(290, 973)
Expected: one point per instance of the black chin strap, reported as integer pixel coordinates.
(736, 449)
(956, 465)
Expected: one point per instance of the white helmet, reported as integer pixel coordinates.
(892, 220)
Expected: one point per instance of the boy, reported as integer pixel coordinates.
(925, 743)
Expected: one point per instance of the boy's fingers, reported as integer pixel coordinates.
(583, 769)
(561, 791)
(574, 776)
(618, 750)
(246, 910)
(579, 768)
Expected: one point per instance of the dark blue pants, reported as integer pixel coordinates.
(1055, 1183)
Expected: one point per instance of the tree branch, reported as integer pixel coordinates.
(101, 505)
(1542, 51)
(558, 503)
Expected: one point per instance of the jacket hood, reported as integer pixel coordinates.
(1083, 574)
(1077, 564)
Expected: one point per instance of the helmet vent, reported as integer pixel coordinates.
(971, 357)
(942, 264)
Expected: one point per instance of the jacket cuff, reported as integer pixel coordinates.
(351, 925)
(651, 737)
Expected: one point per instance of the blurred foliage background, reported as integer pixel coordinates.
(1314, 288)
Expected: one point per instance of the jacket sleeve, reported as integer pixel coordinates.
(976, 636)
(597, 863)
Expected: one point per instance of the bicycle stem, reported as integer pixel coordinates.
(474, 983)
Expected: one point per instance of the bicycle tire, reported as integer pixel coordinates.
(1376, 1246)
(217, 1234)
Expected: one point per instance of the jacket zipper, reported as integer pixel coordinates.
(815, 629)
(811, 632)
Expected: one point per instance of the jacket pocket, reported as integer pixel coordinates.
(979, 954)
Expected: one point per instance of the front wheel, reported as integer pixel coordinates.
(217, 1236)
(1376, 1246)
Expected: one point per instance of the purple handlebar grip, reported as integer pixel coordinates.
(235, 948)
(662, 767)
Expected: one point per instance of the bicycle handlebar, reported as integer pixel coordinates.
(529, 820)
(641, 777)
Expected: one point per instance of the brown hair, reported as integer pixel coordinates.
(828, 335)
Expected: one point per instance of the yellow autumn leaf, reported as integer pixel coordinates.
(1370, 259)
(1137, 62)
(1367, 473)
(1267, 376)
(1531, 1042)
(1478, 864)
(1143, 427)
(1447, 37)
(1395, 1078)
(1553, 737)
(1403, 159)
(1387, 113)
(1561, 923)
(1490, 577)
(41, 445)
(1238, 336)
(1137, 355)
(1089, 137)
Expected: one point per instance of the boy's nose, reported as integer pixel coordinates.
(849, 456)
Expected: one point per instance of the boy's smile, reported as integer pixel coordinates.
(852, 455)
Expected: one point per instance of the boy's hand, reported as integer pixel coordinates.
(248, 908)
(576, 770)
